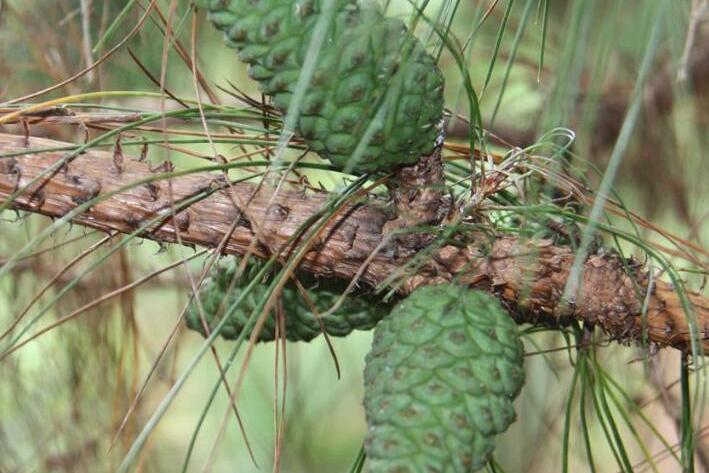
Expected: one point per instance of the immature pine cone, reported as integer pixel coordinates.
(372, 76)
(444, 368)
(217, 294)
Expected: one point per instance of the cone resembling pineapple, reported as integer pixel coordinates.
(444, 368)
(303, 320)
(374, 100)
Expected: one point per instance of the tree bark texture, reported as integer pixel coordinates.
(528, 276)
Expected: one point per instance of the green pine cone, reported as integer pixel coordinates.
(218, 293)
(370, 73)
(444, 369)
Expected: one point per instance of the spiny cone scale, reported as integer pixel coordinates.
(444, 369)
(374, 88)
(224, 287)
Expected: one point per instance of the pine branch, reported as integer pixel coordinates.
(528, 276)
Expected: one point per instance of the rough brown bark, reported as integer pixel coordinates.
(528, 276)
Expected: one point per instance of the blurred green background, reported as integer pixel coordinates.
(64, 395)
